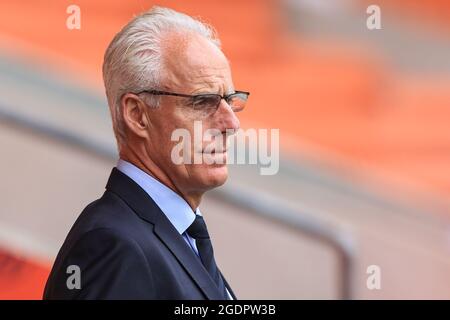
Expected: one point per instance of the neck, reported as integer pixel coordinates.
(148, 166)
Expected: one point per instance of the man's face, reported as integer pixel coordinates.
(192, 66)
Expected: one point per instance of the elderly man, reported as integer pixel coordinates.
(145, 238)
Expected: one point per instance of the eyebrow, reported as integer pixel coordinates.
(212, 91)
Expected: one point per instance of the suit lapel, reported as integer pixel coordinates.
(147, 209)
(187, 258)
(228, 286)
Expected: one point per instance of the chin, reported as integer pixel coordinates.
(213, 176)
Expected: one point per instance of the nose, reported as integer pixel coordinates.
(226, 118)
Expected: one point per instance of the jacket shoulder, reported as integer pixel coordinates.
(101, 264)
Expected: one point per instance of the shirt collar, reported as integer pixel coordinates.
(176, 209)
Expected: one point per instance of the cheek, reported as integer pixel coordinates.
(160, 144)
(161, 138)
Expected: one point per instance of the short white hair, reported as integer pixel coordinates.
(134, 58)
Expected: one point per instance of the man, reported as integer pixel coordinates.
(146, 238)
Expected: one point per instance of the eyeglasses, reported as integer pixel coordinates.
(209, 101)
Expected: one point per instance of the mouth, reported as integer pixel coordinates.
(215, 157)
(214, 151)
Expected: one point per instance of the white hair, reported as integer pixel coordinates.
(134, 58)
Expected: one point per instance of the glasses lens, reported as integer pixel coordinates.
(237, 101)
(206, 102)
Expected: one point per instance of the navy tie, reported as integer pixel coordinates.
(199, 232)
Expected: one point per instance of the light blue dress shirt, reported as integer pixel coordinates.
(176, 209)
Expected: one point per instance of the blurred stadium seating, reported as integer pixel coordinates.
(363, 118)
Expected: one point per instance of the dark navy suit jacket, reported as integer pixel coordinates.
(126, 248)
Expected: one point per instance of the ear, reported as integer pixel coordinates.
(133, 110)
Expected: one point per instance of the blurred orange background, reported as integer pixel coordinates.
(371, 106)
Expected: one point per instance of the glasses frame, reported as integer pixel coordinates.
(166, 93)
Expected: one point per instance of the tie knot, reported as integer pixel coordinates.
(197, 229)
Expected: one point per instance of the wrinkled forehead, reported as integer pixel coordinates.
(192, 63)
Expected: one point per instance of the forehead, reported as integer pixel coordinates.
(193, 63)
